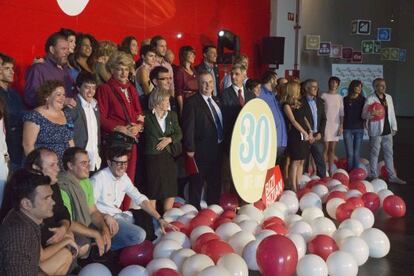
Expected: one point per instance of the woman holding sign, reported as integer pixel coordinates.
(298, 133)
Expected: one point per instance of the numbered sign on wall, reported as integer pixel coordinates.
(253, 149)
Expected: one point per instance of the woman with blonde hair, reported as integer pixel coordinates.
(298, 132)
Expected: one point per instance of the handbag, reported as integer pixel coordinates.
(117, 139)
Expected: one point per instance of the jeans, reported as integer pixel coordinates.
(316, 150)
(375, 143)
(353, 141)
(128, 233)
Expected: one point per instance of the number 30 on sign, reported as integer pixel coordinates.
(253, 149)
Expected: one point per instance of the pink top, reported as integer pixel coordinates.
(334, 109)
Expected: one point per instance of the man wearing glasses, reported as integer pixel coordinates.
(109, 187)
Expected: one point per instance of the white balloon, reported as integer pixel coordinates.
(289, 192)
(383, 194)
(379, 184)
(302, 228)
(357, 247)
(340, 188)
(342, 171)
(226, 230)
(311, 213)
(304, 179)
(216, 208)
(234, 264)
(292, 219)
(250, 226)
(311, 265)
(264, 234)
(315, 177)
(378, 242)
(279, 206)
(198, 231)
(273, 212)
(332, 205)
(291, 202)
(364, 216)
(300, 244)
(310, 200)
(186, 208)
(179, 237)
(203, 204)
(333, 183)
(321, 190)
(95, 269)
(214, 271)
(251, 211)
(341, 263)
(185, 219)
(133, 270)
(249, 254)
(353, 225)
(240, 217)
(353, 193)
(323, 226)
(196, 263)
(341, 234)
(179, 256)
(368, 186)
(165, 248)
(173, 213)
(239, 240)
(156, 264)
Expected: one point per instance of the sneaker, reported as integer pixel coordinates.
(397, 180)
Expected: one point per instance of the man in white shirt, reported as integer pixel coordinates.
(86, 119)
(110, 186)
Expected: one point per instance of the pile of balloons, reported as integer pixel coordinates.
(289, 236)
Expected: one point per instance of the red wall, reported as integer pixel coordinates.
(27, 23)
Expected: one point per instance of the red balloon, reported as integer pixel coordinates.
(229, 201)
(394, 206)
(341, 163)
(181, 227)
(383, 172)
(344, 211)
(357, 174)
(220, 221)
(273, 220)
(378, 107)
(230, 214)
(323, 246)
(278, 228)
(260, 205)
(314, 182)
(356, 202)
(303, 192)
(337, 194)
(202, 239)
(177, 204)
(199, 221)
(210, 214)
(277, 256)
(343, 178)
(371, 201)
(139, 254)
(166, 272)
(215, 249)
(358, 185)
(326, 179)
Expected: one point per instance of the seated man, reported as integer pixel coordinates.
(77, 195)
(110, 186)
(20, 248)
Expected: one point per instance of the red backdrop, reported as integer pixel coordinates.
(26, 24)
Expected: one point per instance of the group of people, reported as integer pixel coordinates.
(95, 128)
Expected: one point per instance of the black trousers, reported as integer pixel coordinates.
(316, 150)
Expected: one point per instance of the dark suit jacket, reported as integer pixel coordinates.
(153, 132)
(320, 105)
(231, 108)
(203, 67)
(199, 129)
(80, 130)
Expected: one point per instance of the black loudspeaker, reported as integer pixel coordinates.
(273, 50)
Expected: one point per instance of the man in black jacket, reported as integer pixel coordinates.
(209, 64)
(315, 113)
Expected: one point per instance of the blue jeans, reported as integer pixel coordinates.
(353, 142)
(128, 234)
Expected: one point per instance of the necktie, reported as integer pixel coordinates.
(216, 120)
(241, 99)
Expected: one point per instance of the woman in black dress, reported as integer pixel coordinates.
(162, 143)
(298, 133)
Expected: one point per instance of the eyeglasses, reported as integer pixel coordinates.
(120, 163)
(166, 78)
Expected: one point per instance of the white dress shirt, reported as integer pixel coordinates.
(92, 127)
(236, 90)
(161, 121)
(216, 107)
(109, 191)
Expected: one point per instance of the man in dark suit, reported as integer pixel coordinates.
(202, 124)
(86, 119)
(209, 64)
(315, 112)
(233, 99)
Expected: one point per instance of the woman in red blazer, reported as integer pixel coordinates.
(113, 118)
